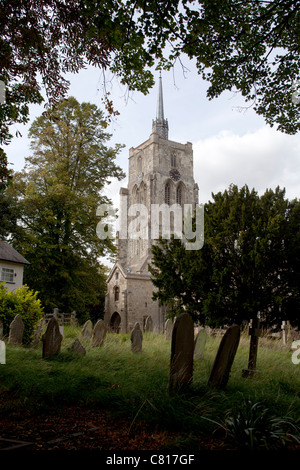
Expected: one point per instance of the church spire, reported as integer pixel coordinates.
(160, 125)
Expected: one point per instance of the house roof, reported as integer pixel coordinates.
(8, 253)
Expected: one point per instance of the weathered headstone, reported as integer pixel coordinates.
(52, 339)
(149, 324)
(224, 358)
(199, 343)
(87, 330)
(255, 333)
(182, 351)
(136, 338)
(77, 348)
(38, 333)
(285, 330)
(99, 333)
(2, 352)
(16, 330)
(168, 329)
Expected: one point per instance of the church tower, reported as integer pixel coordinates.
(160, 175)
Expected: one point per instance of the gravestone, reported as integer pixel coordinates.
(168, 329)
(285, 330)
(16, 330)
(99, 333)
(77, 348)
(136, 338)
(224, 358)
(149, 324)
(199, 343)
(52, 339)
(182, 351)
(2, 352)
(255, 333)
(38, 333)
(87, 330)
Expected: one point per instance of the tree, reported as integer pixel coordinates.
(58, 194)
(245, 266)
(249, 47)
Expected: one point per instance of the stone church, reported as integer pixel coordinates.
(160, 172)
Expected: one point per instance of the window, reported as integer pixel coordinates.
(116, 293)
(117, 275)
(167, 193)
(179, 195)
(7, 275)
(173, 160)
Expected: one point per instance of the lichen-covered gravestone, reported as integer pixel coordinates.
(16, 330)
(77, 348)
(87, 330)
(52, 339)
(149, 324)
(168, 329)
(136, 338)
(199, 343)
(182, 351)
(99, 333)
(222, 365)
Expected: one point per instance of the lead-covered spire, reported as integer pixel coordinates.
(160, 125)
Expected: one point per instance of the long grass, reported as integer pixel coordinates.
(136, 385)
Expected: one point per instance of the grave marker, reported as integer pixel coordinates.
(87, 330)
(199, 343)
(16, 330)
(99, 333)
(52, 339)
(224, 358)
(136, 338)
(168, 329)
(149, 324)
(255, 333)
(285, 330)
(77, 348)
(182, 351)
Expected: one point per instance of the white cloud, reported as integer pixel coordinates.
(262, 159)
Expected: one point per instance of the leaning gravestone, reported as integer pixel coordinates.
(149, 324)
(99, 333)
(199, 343)
(136, 338)
(16, 330)
(52, 339)
(222, 365)
(182, 351)
(168, 329)
(87, 330)
(77, 348)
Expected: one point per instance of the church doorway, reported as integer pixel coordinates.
(115, 322)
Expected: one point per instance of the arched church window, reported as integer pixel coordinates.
(167, 193)
(173, 160)
(179, 195)
(116, 293)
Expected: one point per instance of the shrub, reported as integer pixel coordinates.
(22, 301)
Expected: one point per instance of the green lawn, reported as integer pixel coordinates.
(136, 385)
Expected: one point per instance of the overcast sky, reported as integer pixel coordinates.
(230, 145)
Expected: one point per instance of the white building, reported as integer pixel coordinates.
(11, 266)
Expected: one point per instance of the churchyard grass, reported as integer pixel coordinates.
(135, 385)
